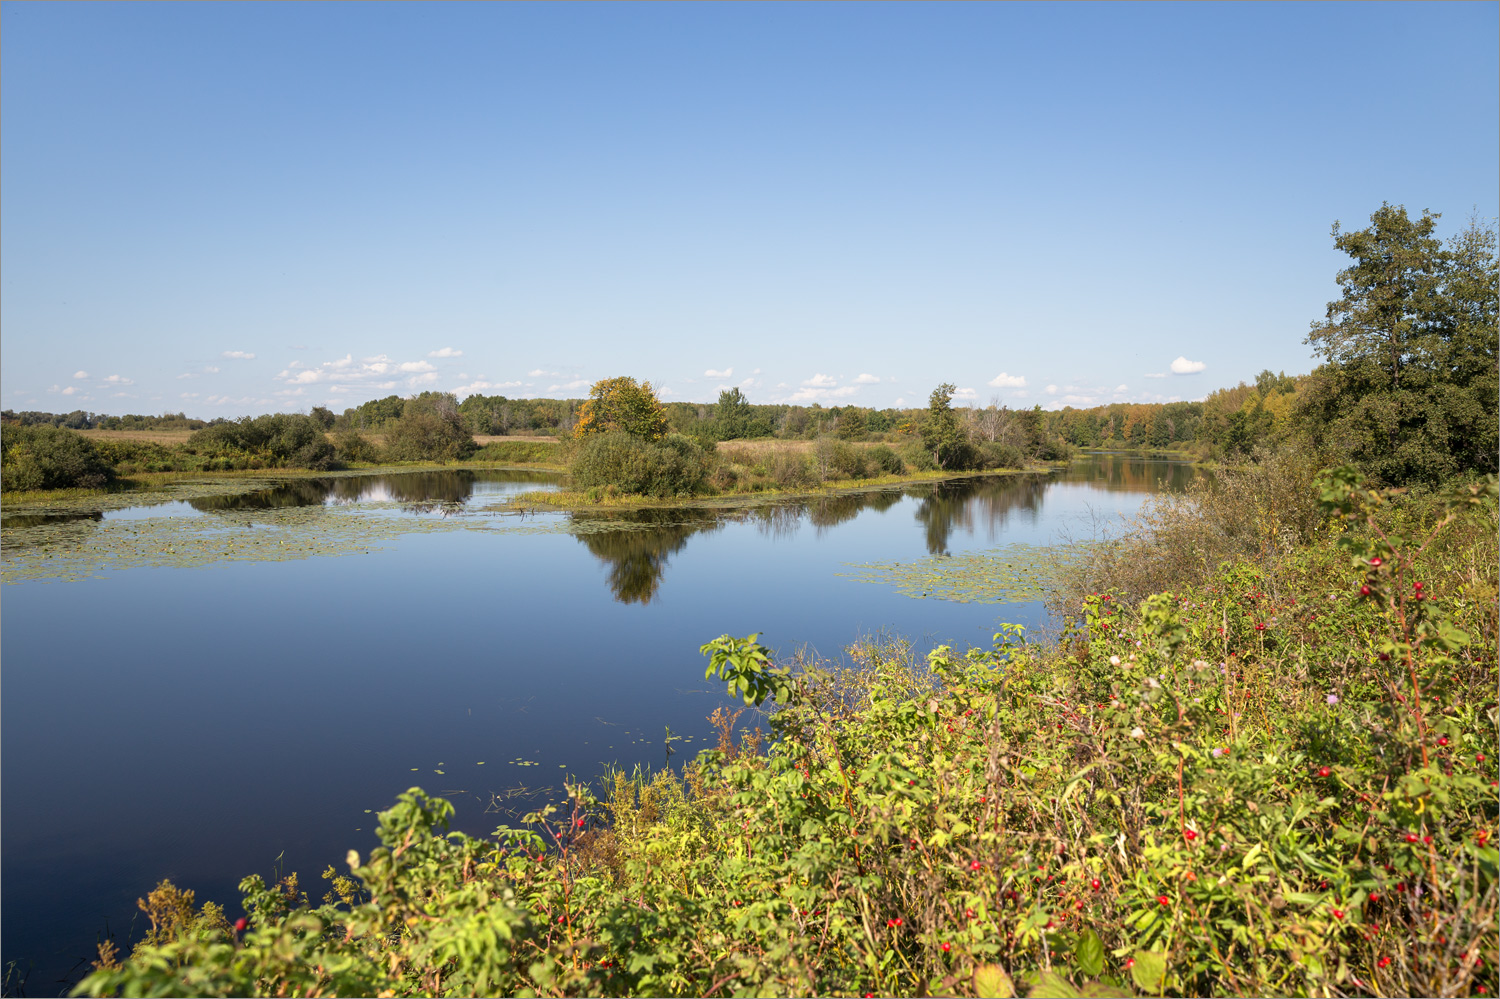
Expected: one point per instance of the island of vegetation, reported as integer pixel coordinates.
(1259, 759)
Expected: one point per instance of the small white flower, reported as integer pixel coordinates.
(1333, 699)
(1132, 657)
(1136, 733)
(1114, 660)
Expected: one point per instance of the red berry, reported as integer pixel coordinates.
(1096, 884)
(1384, 657)
(1427, 840)
(1324, 772)
(1374, 896)
(1364, 591)
(975, 865)
(1416, 586)
(1163, 900)
(1443, 740)
(1412, 837)
(241, 925)
(1479, 758)
(947, 947)
(1384, 962)
(580, 823)
(1189, 834)
(1375, 561)
(1130, 962)
(1338, 913)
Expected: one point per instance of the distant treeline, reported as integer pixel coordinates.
(81, 420)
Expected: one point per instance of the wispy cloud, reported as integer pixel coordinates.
(1050, 390)
(80, 375)
(821, 381)
(865, 379)
(239, 355)
(480, 385)
(445, 352)
(1155, 374)
(118, 380)
(572, 386)
(965, 393)
(726, 373)
(1003, 380)
(1182, 366)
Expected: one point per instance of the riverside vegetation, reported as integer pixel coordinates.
(1275, 777)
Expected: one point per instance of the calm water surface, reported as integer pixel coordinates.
(204, 723)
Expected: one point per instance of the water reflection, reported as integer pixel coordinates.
(21, 521)
(417, 492)
(969, 503)
(636, 556)
(1131, 473)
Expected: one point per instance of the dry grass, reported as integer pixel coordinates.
(483, 439)
(760, 447)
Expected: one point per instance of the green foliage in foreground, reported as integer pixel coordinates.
(1233, 788)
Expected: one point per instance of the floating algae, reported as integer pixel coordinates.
(1014, 573)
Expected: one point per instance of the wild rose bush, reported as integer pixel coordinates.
(1236, 788)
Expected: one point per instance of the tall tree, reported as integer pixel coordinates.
(1391, 297)
(622, 404)
(731, 415)
(1410, 388)
(941, 433)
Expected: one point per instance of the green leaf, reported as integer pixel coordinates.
(1088, 954)
(1051, 985)
(991, 982)
(1149, 969)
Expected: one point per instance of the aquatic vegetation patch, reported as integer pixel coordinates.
(1015, 573)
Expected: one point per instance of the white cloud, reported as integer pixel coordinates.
(211, 369)
(539, 373)
(373, 372)
(239, 355)
(756, 371)
(726, 373)
(80, 374)
(568, 386)
(864, 379)
(821, 381)
(118, 380)
(1122, 388)
(1157, 374)
(666, 390)
(71, 390)
(748, 382)
(481, 385)
(290, 392)
(1003, 380)
(900, 401)
(965, 393)
(445, 352)
(1182, 366)
(1050, 390)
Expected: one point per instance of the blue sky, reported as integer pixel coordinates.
(236, 208)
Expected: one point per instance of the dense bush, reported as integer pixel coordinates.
(887, 461)
(993, 455)
(350, 446)
(1221, 790)
(286, 440)
(429, 430)
(917, 457)
(674, 466)
(46, 457)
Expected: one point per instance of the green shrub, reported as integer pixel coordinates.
(278, 440)
(352, 446)
(428, 432)
(675, 466)
(917, 457)
(888, 461)
(791, 470)
(46, 457)
(836, 459)
(994, 455)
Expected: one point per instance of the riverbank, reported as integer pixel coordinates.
(570, 500)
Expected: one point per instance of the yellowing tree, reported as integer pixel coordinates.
(622, 404)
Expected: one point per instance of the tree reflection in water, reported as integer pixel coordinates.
(417, 492)
(637, 555)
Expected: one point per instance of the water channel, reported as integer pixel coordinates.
(226, 684)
